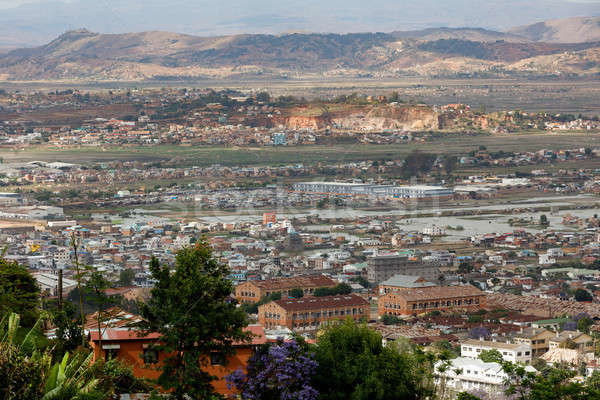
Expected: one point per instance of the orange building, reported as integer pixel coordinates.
(253, 291)
(136, 351)
(269, 218)
(312, 312)
(427, 299)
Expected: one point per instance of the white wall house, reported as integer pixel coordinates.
(546, 259)
(469, 375)
(555, 252)
(516, 353)
(433, 230)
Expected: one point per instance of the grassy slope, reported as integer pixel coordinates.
(205, 155)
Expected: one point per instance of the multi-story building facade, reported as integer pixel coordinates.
(435, 298)
(400, 283)
(136, 350)
(513, 352)
(576, 340)
(467, 374)
(307, 314)
(380, 268)
(253, 291)
(364, 189)
(537, 338)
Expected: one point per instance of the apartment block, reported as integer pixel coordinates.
(537, 338)
(253, 291)
(306, 314)
(513, 352)
(435, 298)
(384, 267)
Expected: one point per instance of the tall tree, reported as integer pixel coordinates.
(281, 370)
(126, 277)
(19, 292)
(79, 276)
(492, 355)
(97, 284)
(354, 365)
(190, 307)
(583, 295)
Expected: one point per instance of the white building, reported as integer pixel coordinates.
(466, 374)
(62, 256)
(469, 375)
(237, 261)
(123, 193)
(516, 353)
(555, 252)
(413, 191)
(49, 283)
(546, 259)
(433, 230)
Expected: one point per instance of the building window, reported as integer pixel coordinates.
(109, 354)
(150, 356)
(217, 358)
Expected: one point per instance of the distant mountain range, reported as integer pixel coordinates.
(27, 23)
(565, 47)
(569, 30)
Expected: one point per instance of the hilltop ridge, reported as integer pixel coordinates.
(445, 52)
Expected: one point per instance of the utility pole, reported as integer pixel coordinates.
(60, 285)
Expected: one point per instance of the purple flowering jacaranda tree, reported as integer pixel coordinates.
(277, 371)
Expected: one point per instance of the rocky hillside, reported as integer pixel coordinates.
(472, 34)
(85, 55)
(568, 30)
(362, 118)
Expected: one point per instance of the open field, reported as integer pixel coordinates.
(203, 155)
(59, 116)
(551, 95)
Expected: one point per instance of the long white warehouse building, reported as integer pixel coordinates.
(413, 191)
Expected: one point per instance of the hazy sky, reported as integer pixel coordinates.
(251, 5)
(26, 22)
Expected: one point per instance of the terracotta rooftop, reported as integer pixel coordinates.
(541, 306)
(124, 334)
(317, 303)
(495, 345)
(121, 334)
(113, 317)
(295, 282)
(438, 292)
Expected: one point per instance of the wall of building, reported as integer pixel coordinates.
(396, 304)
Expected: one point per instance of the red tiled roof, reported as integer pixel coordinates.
(294, 282)
(317, 303)
(258, 335)
(113, 317)
(120, 335)
(438, 292)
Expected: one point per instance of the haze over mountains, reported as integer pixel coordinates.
(568, 47)
(25, 23)
(569, 30)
